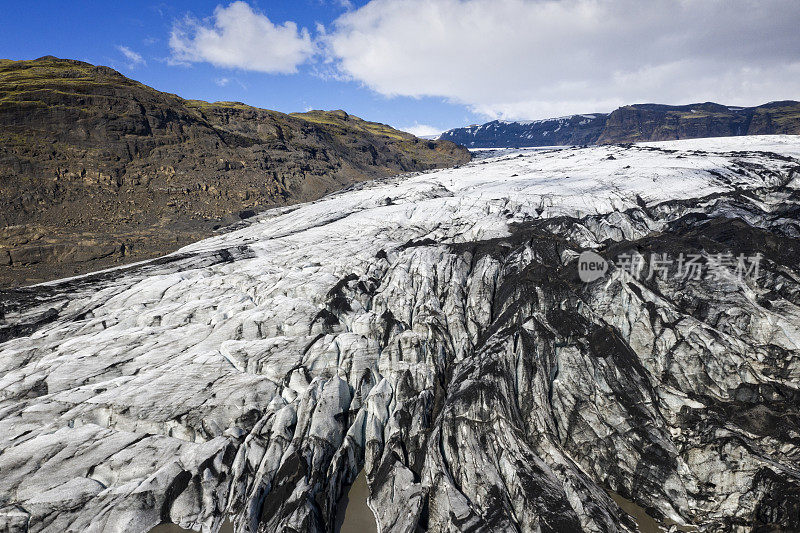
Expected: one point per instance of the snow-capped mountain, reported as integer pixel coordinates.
(432, 331)
(635, 123)
(571, 130)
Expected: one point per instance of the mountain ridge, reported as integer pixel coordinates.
(98, 169)
(634, 123)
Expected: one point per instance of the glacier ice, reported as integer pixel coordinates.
(431, 331)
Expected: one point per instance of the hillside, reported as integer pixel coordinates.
(634, 123)
(97, 169)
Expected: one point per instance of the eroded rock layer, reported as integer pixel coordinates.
(98, 170)
(432, 331)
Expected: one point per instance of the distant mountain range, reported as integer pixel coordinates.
(634, 123)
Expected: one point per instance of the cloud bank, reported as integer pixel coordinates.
(422, 130)
(530, 58)
(239, 37)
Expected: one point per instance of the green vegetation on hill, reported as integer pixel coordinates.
(346, 123)
(98, 169)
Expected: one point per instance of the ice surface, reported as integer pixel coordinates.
(152, 371)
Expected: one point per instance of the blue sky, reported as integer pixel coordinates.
(94, 31)
(428, 65)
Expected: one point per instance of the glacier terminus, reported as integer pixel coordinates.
(431, 332)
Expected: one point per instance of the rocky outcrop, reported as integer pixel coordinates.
(651, 122)
(635, 123)
(90, 156)
(432, 331)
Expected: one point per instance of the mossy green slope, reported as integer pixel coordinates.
(91, 160)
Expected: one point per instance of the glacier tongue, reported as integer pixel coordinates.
(430, 329)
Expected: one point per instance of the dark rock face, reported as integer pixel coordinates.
(90, 159)
(634, 123)
(651, 122)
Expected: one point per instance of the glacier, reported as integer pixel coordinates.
(430, 330)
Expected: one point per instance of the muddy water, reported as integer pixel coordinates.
(353, 514)
(646, 523)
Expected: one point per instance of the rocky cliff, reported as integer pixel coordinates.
(98, 169)
(635, 123)
(432, 332)
(650, 122)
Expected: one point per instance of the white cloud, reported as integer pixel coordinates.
(422, 130)
(541, 58)
(134, 59)
(222, 82)
(239, 37)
